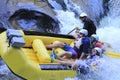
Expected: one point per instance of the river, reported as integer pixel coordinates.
(108, 31)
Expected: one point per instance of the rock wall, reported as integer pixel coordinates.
(9, 7)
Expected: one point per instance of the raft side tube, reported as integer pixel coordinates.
(113, 54)
(35, 33)
(19, 63)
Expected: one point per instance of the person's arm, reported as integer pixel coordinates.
(82, 55)
(85, 49)
(77, 29)
(76, 32)
(75, 35)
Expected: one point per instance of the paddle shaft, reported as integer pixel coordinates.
(72, 30)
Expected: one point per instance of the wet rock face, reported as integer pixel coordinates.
(60, 2)
(33, 20)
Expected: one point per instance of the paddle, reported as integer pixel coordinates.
(76, 28)
(94, 68)
(72, 30)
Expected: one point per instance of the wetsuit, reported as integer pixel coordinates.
(89, 26)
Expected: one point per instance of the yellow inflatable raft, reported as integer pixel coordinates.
(25, 54)
(110, 52)
(113, 54)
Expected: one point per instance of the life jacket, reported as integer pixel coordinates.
(98, 44)
(78, 42)
(94, 44)
(83, 46)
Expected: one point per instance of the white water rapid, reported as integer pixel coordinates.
(108, 31)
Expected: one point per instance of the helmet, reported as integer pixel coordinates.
(84, 31)
(83, 14)
(99, 50)
(95, 36)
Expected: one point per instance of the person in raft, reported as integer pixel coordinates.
(83, 66)
(88, 24)
(78, 51)
(95, 43)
